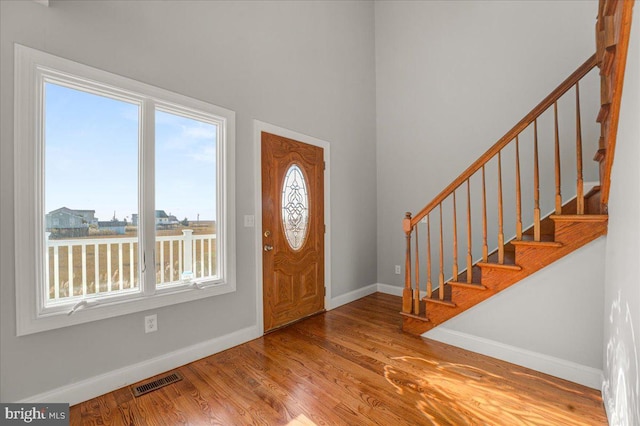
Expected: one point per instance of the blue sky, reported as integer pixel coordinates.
(91, 158)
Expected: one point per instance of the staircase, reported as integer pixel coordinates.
(444, 290)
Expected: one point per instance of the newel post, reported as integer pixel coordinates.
(406, 293)
(187, 241)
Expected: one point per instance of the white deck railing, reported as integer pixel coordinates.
(73, 268)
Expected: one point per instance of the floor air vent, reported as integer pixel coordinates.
(156, 384)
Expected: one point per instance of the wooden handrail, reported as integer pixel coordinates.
(614, 59)
(567, 84)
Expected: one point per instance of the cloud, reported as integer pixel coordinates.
(207, 154)
(206, 131)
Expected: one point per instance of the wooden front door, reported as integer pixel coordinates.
(292, 230)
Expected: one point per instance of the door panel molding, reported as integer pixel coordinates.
(258, 128)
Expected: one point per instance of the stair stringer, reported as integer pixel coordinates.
(571, 231)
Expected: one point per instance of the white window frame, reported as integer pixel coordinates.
(32, 69)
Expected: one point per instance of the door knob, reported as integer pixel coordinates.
(267, 247)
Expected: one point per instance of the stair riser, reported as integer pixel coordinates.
(491, 277)
(578, 233)
(537, 257)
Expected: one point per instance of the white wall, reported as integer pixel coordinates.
(621, 389)
(452, 77)
(550, 321)
(306, 66)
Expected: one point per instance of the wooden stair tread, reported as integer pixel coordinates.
(529, 237)
(536, 243)
(509, 266)
(473, 285)
(439, 302)
(580, 217)
(509, 261)
(414, 316)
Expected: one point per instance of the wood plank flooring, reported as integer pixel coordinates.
(350, 366)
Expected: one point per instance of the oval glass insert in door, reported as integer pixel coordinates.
(295, 207)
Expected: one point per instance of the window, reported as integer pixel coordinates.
(295, 207)
(123, 193)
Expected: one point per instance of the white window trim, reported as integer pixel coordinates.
(29, 206)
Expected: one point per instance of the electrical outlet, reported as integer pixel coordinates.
(249, 221)
(398, 270)
(151, 323)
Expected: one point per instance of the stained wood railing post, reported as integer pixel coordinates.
(579, 180)
(441, 274)
(485, 246)
(416, 290)
(518, 194)
(536, 185)
(407, 293)
(429, 284)
(455, 241)
(469, 245)
(500, 213)
(557, 160)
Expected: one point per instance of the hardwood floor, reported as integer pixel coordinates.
(350, 366)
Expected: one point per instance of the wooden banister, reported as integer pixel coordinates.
(509, 136)
(612, 28)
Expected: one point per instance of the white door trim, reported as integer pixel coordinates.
(258, 128)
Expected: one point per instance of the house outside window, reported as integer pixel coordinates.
(124, 194)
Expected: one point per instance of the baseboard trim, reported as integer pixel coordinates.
(107, 382)
(608, 403)
(101, 384)
(584, 375)
(352, 295)
(394, 290)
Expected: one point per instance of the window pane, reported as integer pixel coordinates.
(185, 168)
(91, 193)
(295, 207)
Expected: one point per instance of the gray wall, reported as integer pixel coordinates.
(621, 390)
(306, 66)
(451, 79)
